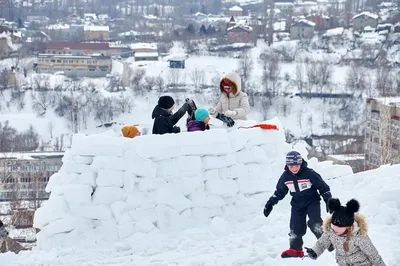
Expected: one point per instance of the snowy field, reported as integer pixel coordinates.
(191, 199)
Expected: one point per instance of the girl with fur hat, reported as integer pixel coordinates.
(200, 123)
(233, 102)
(346, 230)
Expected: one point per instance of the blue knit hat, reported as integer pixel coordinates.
(200, 114)
(294, 158)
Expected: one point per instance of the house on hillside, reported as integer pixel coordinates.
(365, 19)
(236, 11)
(7, 48)
(302, 29)
(239, 33)
(322, 22)
(285, 6)
(96, 33)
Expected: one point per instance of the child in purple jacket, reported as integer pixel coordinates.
(200, 123)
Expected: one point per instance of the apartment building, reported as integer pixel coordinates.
(95, 65)
(77, 48)
(382, 133)
(24, 176)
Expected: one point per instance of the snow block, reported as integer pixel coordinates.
(83, 159)
(73, 167)
(129, 180)
(211, 142)
(97, 145)
(183, 166)
(92, 211)
(108, 195)
(173, 198)
(87, 178)
(224, 188)
(53, 210)
(109, 178)
(77, 194)
(217, 162)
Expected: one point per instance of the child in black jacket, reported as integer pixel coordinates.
(304, 185)
(164, 119)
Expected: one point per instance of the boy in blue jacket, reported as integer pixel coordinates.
(304, 185)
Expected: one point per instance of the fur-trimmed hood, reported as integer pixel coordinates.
(360, 225)
(234, 80)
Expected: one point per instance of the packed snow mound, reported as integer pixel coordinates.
(111, 188)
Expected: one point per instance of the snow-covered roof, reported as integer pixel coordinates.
(7, 35)
(135, 46)
(241, 26)
(96, 28)
(90, 15)
(155, 54)
(304, 22)
(58, 27)
(236, 8)
(367, 14)
(334, 32)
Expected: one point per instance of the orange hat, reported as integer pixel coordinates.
(129, 131)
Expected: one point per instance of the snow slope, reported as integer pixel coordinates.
(191, 199)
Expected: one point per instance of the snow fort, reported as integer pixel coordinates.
(111, 188)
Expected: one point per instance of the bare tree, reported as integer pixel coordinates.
(355, 79)
(123, 104)
(41, 101)
(271, 74)
(137, 79)
(174, 76)
(160, 84)
(149, 83)
(383, 81)
(245, 68)
(50, 127)
(300, 76)
(197, 76)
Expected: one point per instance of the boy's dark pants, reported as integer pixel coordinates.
(298, 226)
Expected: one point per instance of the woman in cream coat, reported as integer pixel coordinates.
(232, 102)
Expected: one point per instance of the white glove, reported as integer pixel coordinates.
(230, 113)
(212, 111)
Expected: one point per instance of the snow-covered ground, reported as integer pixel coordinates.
(229, 228)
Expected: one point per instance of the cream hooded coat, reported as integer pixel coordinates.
(361, 250)
(236, 101)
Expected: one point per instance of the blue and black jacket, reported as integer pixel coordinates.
(303, 186)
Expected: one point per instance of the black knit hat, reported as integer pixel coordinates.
(343, 216)
(166, 102)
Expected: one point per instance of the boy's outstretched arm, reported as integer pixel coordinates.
(279, 194)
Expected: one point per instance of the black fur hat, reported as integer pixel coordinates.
(343, 216)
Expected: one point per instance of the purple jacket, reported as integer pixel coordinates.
(193, 125)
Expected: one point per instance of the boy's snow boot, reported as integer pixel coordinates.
(292, 253)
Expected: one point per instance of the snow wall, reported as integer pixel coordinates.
(110, 188)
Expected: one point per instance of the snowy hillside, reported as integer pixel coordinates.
(191, 199)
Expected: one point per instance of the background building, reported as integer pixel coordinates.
(382, 133)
